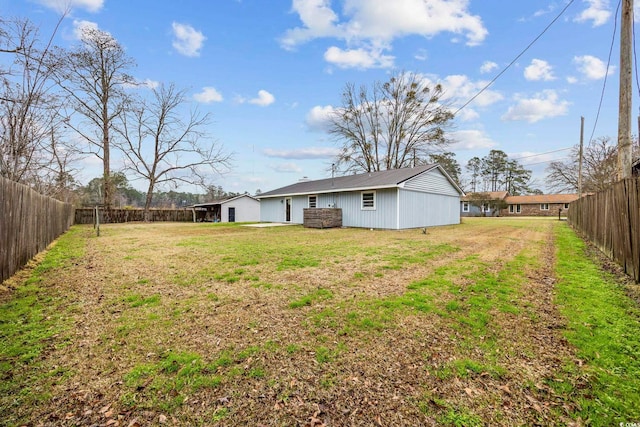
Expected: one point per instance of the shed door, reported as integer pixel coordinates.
(232, 214)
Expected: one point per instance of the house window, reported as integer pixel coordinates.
(368, 199)
(544, 206)
(313, 201)
(514, 208)
(486, 208)
(465, 206)
(566, 205)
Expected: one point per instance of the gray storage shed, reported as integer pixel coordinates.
(421, 196)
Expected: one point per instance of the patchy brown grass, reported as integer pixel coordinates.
(200, 324)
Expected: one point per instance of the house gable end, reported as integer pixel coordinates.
(433, 181)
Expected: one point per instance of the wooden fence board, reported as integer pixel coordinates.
(28, 224)
(611, 220)
(86, 215)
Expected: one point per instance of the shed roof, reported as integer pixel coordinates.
(223, 201)
(364, 181)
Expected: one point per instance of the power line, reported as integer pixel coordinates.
(540, 154)
(515, 59)
(546, 161)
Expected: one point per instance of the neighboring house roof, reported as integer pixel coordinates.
(541, 198)
(223, 201)
(365, 181)
(491, 194)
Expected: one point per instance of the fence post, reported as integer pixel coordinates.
(97, 226)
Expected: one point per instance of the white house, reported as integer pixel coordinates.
(421, 196)
(242, 208)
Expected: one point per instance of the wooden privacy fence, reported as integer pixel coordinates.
(87, 215)
(611, 220)
(29, 221)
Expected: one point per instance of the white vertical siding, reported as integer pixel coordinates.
(384, 216)
(432, 181)
(298, 203)
(328, 200)
(272, 210)
(247, 209)
(419, 209)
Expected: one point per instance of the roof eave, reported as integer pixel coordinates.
(336, 190)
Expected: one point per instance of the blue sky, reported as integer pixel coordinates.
(270, 71)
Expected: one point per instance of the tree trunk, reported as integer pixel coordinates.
(147, 202)
(108, 193)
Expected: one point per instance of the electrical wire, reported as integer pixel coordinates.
(540, 154)
(515, 59)
(546, 161)
(604, 84)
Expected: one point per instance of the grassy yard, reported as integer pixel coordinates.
(492, 322)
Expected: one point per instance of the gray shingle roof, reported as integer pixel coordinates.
(364, 181)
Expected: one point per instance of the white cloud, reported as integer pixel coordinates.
(421, 55)
(358, 58)
(543, 105)
(286, 168)
(80, 26)
(542, 12)
(187, 40)
(369, 26)
(151, 84)
(264, 98)
(459, 88)
(467, 114)
(318, 117)
(597, 12)
(146, 84)
(592, 68)
(470, 139)
(539, 70)
(208, 95)
(488, 66)
(572, 80)
(62, 6)
(303, 153)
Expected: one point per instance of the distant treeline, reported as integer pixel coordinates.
(127, 196)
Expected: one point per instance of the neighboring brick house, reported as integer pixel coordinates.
(538, 205)
(471, 204)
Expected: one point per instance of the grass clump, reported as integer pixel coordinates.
(319, 294)
(165, 383)
(137, 300)
(32, 321)
(604, 326)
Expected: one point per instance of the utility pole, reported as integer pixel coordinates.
(624, 108)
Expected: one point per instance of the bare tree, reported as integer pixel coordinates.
(94, 78)
(30, 127)
(394, 125)
(161, 148)
(599, 168)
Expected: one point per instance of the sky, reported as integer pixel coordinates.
(270, 71)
